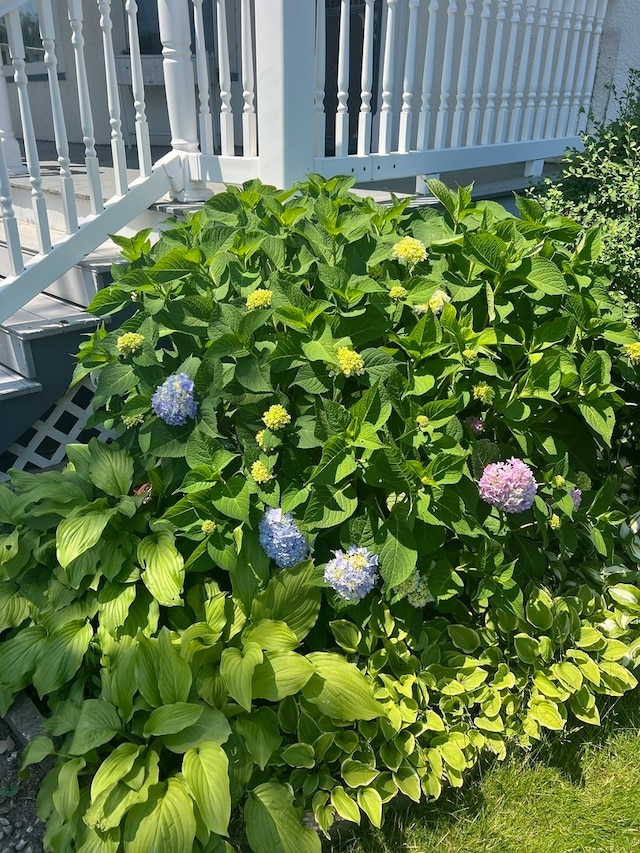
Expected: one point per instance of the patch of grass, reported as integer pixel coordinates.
(571, 795)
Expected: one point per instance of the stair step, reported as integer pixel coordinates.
(45, 316)
(14, 385)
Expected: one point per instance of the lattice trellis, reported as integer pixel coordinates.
(44, 444)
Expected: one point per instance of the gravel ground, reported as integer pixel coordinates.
(20, 828)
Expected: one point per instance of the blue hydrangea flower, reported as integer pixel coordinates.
(281, 540)
(352, 575)
(173, 400)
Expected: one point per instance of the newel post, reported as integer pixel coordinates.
(285, 66)
(180, 90)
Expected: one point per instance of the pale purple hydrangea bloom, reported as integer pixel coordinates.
(173, 400)
(576, 497)
(476, 424)
(281, 540)
(509, 486)
(352, 575)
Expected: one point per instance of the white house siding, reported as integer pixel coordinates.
(619, 51)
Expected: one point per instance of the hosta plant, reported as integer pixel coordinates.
(364, 521)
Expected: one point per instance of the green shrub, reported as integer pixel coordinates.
(364, 383)
(600, 186)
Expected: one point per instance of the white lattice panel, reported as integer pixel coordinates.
(44, 444)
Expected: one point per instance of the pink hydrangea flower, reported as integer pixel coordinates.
(509, 486)
(576, 497)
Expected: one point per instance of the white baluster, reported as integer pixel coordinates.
(366, 82)
(593, 63)
(463, 77)
(552, 116)
(424, 120)
(113, 99)
(16, 49)
(386, 114)
(581, 74)
(12, 237)
(47, 33)
(249, 127)
(572, 64)
(202, 76)
(523, 67)
(342, 112)
(547, 66)
(84, 102)
(224, 78)
(13, 157)
(478, 75)
(503, 111)
(137, 88)
(319, 117)
(442, 121)
(536, 70)
(490, 109)
(404, 135)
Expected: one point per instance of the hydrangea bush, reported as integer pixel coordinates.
(365, 521)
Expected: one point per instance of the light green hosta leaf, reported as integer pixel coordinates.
(280, 674)
(170, 719)
(453, 756)
(274, 825)
(14, 608)
(165, 823)
(463, 637)
(212, 725)
(110, 469)
(261, 734)
(76, 535)
(98, 723)
(237, 668)
(539, 609)
(547, 714)
(356, 774)
(95, 841)
(175, 675)
(626, 595)
(340, 690)
(164, 568)
(19, 657)
(290, 598)
(299, 755)
(37, 749)
(527, 648)
(67, 796)
(272, 636)
(568, 675)
(344, 805)
(108, 810)
(114, 768)
(370, 802)
(206, 773)
(61, 655)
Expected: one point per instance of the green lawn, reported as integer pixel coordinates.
(580, 793)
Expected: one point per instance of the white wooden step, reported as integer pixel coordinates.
(13, 385)
(43, 317)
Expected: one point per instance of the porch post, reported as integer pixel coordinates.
(175, 35)
(12, 155)
(285, 64)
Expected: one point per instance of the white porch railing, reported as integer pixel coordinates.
(375, 88)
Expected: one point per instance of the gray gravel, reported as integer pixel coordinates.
(20, 829)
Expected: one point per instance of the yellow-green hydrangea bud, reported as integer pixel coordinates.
(555, 522)
(349, 362)
(422, 422)
(259, 299)
(558, 481)
(208, 527)
(398, 292)
(375, 271)
(260, 440)
(276, 417)
(633, 352)
(409, 250)
(132, 420)
(129, 343)
(583, 481)
(438, 301)
(469, 354)
(261, 473)
(484, 393)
